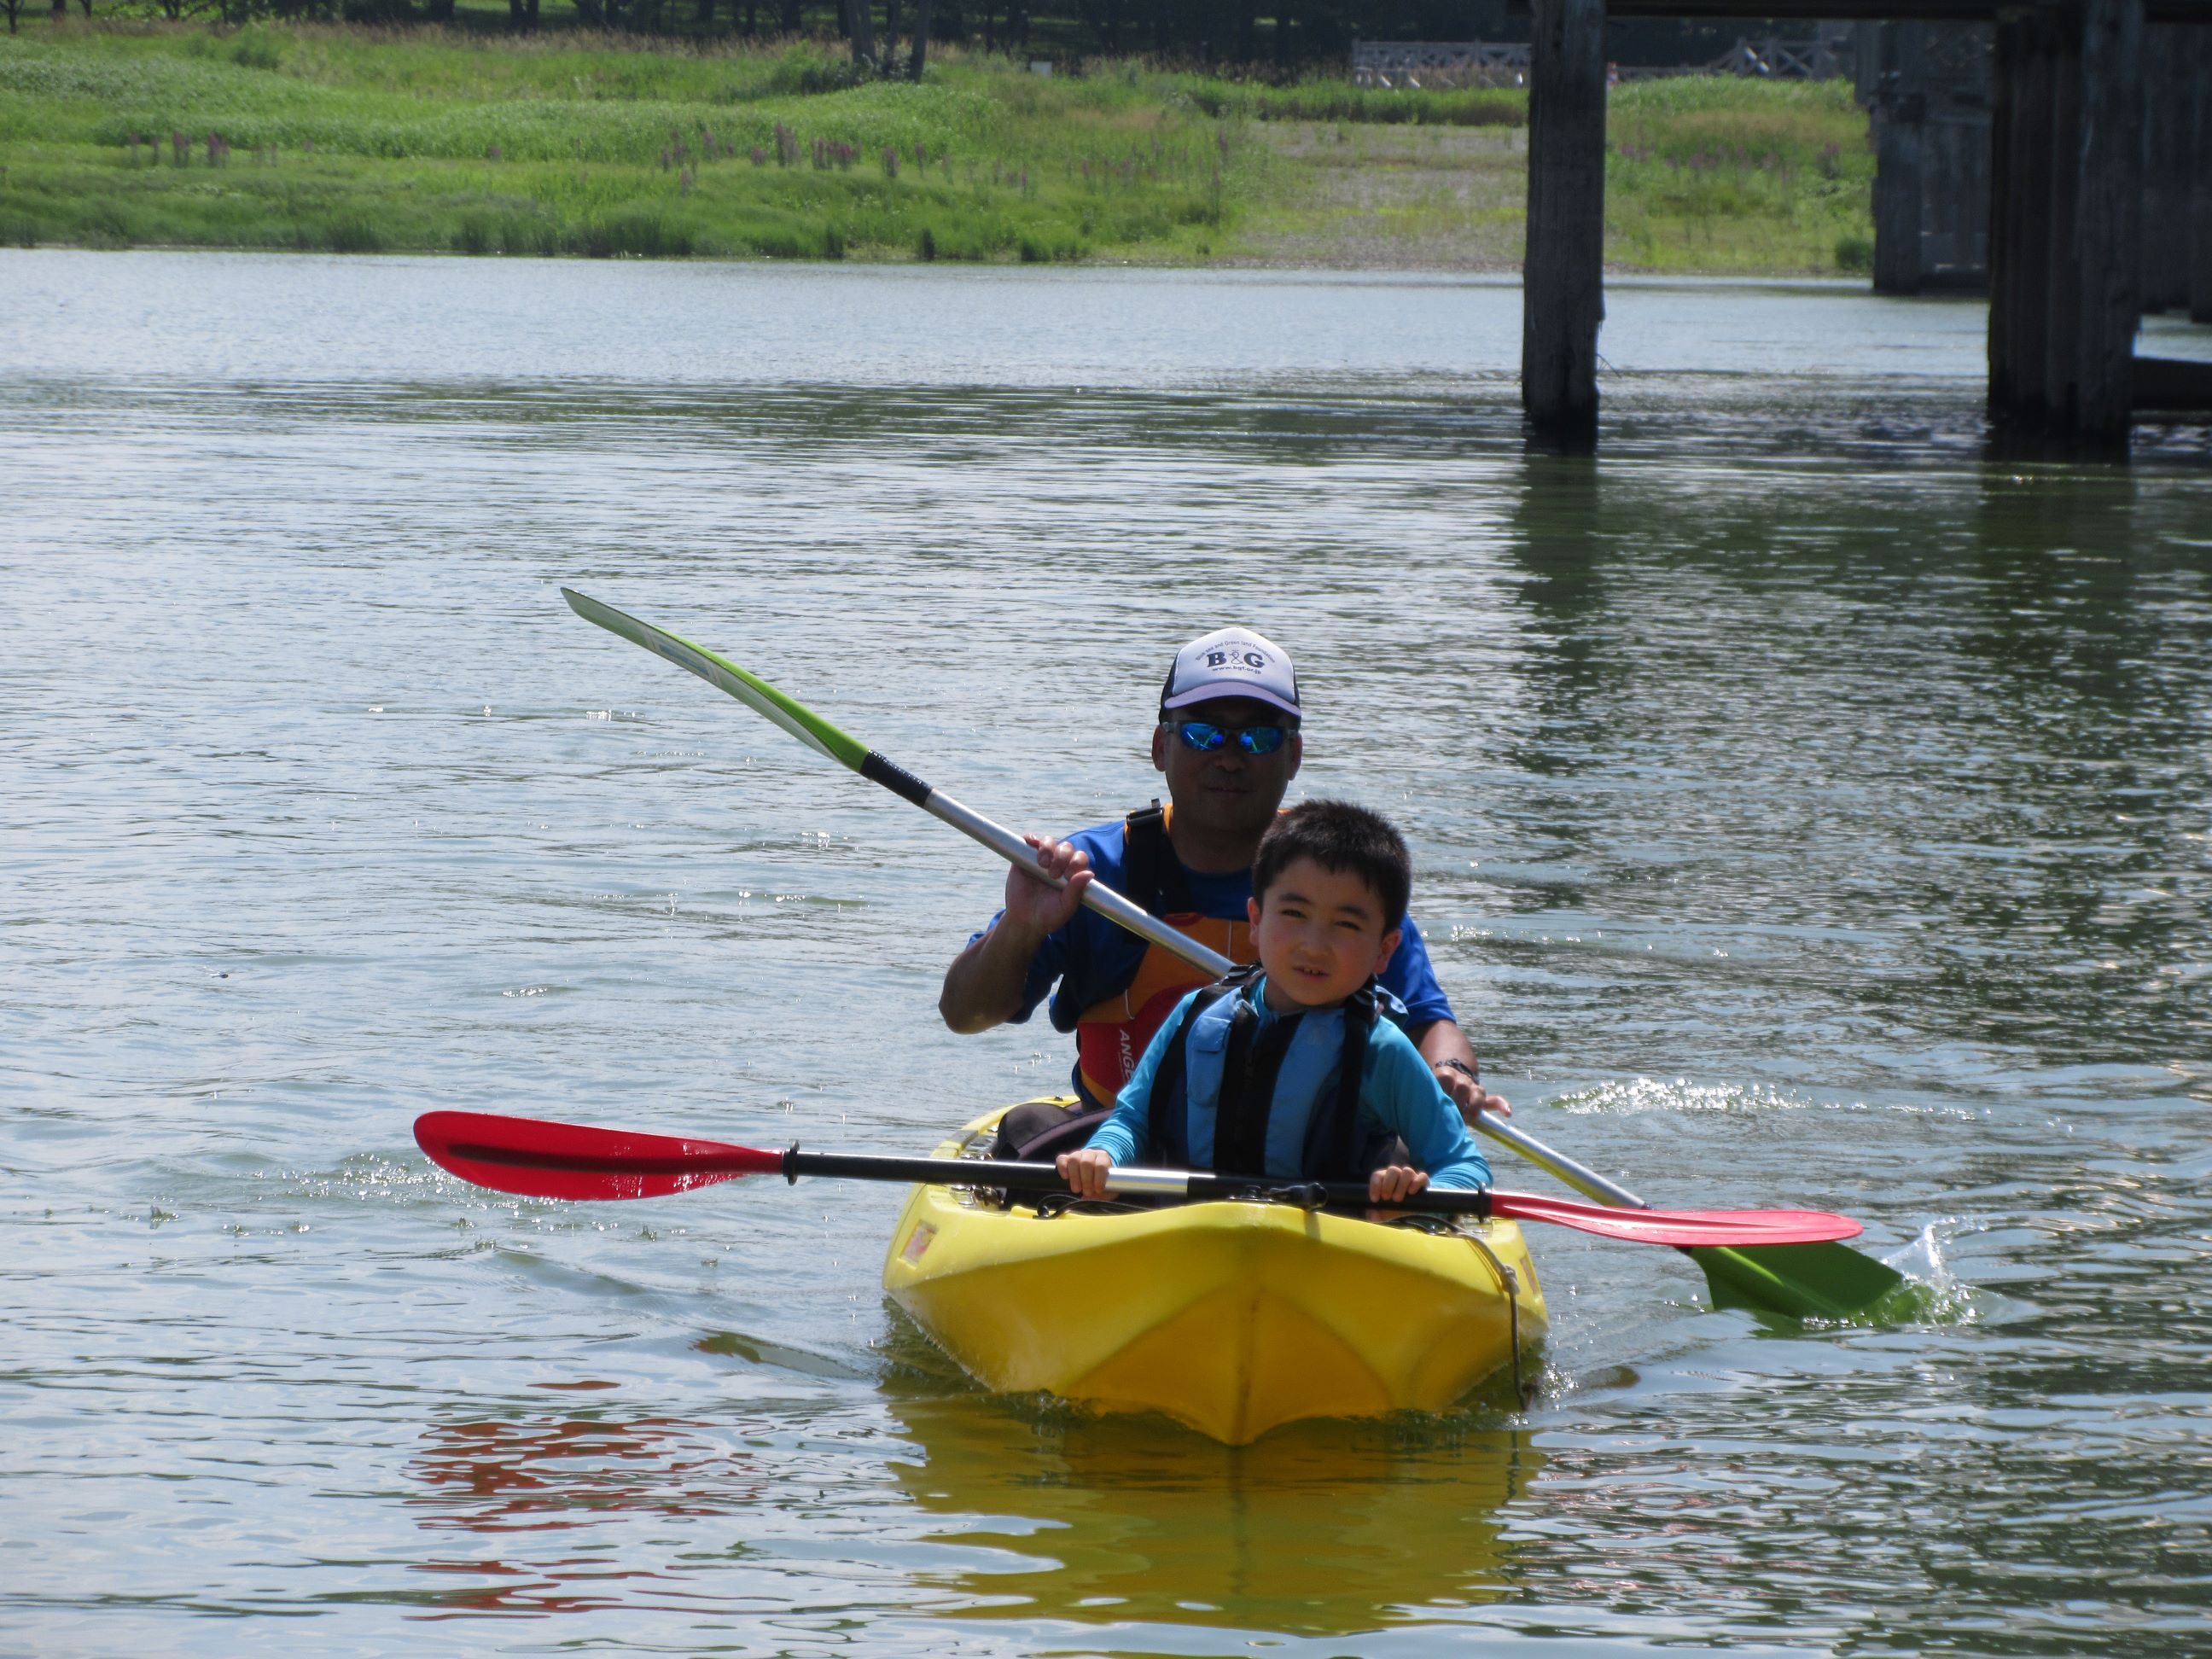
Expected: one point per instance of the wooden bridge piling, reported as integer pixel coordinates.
(1900, 136)
(2108, 220)
(2200, 216)
(2098, 194)
(2056, 252)
(2169, 132)
(1562, 276)
(2067, 250)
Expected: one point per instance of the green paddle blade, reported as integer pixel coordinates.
(1806, 1281)
(755, 693)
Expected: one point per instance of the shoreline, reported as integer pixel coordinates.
(320, 137)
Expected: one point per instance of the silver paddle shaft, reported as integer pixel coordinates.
(1125, 913)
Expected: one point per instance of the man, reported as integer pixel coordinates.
(1228, 741)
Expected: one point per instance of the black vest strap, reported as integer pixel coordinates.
(1335, 1148)
(1151, 874)
(1248, 1072)
(1164, 1110)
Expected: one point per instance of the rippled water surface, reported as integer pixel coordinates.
(1808, 809)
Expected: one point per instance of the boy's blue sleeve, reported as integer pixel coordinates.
(1126, 1134)
(1398, 1088)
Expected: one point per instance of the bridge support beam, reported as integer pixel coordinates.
(2066, 239)
(2169, 136)
(1562, 272)
(2108, 220)
(1900, 124)
(2200, 216)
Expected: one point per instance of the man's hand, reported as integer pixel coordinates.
(984, 985)
(1469, 1096)
(1084, 1172)
(1035, 907)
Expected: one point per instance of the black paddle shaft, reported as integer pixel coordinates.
(1195, 1185)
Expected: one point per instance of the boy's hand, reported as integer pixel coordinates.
(1394, 1181)
(1391, 1183)
(1084, 1172)
(1037, 908)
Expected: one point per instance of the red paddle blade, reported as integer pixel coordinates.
(537, 1159)
(1681, 1227)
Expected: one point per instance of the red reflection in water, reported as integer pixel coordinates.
(533, 1473)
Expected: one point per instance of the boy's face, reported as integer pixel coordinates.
(1319, 935)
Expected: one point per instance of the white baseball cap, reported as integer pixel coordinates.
(1231, 662)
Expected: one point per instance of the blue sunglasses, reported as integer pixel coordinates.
(1208, 739)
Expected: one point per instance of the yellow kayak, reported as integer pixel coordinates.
(1231, 1317)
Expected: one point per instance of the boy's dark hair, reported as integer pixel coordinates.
(1340, 836)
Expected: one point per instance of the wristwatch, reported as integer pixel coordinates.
(1458, 1064)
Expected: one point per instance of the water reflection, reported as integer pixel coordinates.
(547, 1472)
(1318, 1528)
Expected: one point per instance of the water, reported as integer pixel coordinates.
(1808, 811)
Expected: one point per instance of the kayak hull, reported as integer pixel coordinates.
(1233, 1318)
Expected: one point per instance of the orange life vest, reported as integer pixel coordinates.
(1112, 1033)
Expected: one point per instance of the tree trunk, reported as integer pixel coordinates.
(920, 39)
(863, 20)
(790, 22)
(705, 15)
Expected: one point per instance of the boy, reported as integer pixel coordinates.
(1293, 1069)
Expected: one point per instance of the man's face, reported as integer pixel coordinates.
(1225, 790)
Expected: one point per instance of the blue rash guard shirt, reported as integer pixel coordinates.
(1091, 952)
(1398, 1094)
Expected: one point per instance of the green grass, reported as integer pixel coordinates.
(1707, 174)
(568, 143)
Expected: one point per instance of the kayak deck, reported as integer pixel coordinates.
(1233, 1318)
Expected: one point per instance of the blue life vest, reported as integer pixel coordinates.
(1252, 1073)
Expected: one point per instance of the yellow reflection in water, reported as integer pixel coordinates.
(1320, 1528)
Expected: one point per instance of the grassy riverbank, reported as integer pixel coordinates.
(326, 138)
